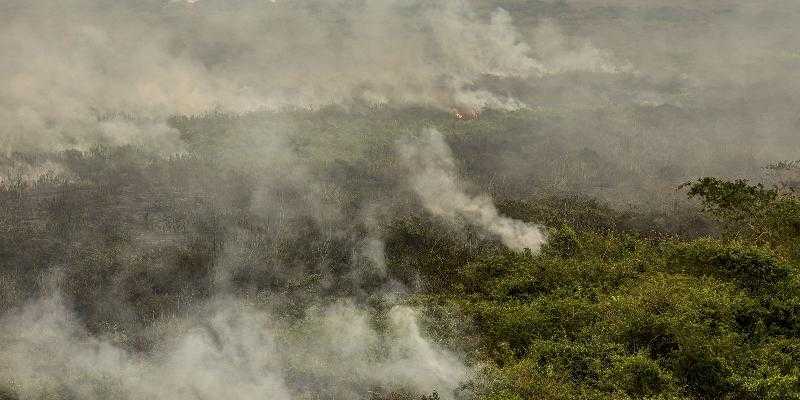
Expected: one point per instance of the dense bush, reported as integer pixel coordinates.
(606, 312)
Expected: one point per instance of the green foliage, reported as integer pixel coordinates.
(751, 267)
(563, 241)
(638, 375)
(753, 213)
(605, 312)
(737, 197)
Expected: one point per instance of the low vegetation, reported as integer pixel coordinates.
(696, 301)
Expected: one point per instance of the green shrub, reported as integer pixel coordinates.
(638, 376)
(752, 267)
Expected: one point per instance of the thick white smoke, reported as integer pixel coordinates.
(433, 176)
(82, 72)
(229, 350)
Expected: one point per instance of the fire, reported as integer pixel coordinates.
(472, 113)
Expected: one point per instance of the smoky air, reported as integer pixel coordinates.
(460, 199)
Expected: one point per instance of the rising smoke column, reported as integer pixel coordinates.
(433, 176)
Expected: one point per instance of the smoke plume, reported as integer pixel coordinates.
(227, 348)
(433, 176)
